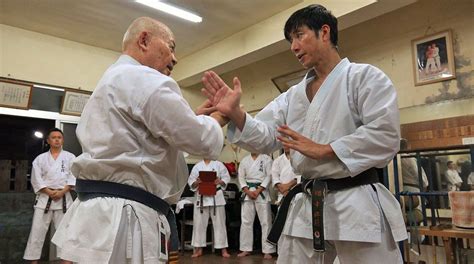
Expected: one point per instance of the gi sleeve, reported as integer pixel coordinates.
(259, 133)
(167, 115)
(376, 141)
(242, 174)
(276, 170)
(70, 180)
(223, 174)
(268, 172)
(36, 176)
(193, 177)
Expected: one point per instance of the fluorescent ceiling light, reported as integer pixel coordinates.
(175, 11)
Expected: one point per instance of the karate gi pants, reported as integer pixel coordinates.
(39, 228)
(297, 250)
(200, 222)
(264, 214)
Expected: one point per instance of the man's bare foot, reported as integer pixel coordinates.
(225, 253)
(243, 254)
(267, 256)
(197, 253)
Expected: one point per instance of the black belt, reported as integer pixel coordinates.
(48, 204)
(213, 198)
(89, 189)
(317, 190)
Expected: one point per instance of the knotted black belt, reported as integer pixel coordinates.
(317, 189)
(218, 188)
(89, 189)
(48, 204)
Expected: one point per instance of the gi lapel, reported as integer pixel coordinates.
(312, 116)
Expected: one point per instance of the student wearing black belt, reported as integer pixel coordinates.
(206, 207)
(340, 122)
(52, 181)
(133, 131)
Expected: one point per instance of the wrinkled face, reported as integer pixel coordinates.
(55, 139)
(306, 46)
(160, 54)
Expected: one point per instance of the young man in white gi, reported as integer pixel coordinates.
(283, 177)
(132, 131)
(254, 179)
(209, 206)
(340, 122)
(52, 181)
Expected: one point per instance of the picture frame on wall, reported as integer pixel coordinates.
(74, 101)
(284, 82)
(15, 94)
(433, 58)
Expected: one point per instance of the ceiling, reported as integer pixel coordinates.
(102, 23)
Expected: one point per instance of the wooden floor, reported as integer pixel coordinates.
(209, 257)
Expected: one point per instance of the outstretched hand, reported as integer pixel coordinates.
(223, 98)
(293, 140)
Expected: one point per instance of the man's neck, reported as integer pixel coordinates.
(55, 152)
(324, 68)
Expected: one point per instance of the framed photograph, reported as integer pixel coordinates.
(433, 58)
(15, 94)
(74, 101)
(284, 82)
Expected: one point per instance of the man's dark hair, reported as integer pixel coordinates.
(55, 130)
(314, 17)
(449, 162)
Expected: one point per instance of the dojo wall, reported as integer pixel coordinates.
(39, 58)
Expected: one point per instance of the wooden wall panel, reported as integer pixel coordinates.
(5, 167)
(438, 133)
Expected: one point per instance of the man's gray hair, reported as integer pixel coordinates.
(141, 24)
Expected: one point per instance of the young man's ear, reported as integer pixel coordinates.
(144, 40)
(325, 32)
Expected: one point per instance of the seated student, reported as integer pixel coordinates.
(209, 206)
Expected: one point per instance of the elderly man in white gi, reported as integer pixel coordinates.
(132, 131)
(340, 122)
(52, 181)
(283, 176)
(254, 179)
(209, 206)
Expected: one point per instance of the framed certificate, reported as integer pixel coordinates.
(15, 94)
(74, 101)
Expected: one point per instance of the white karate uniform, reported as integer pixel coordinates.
(200, 220)
(282, 172)
(255, 171)
(48, 172)
(132, 131)
(453, 178)
(355, 110)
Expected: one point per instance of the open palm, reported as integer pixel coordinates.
(225, 99)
